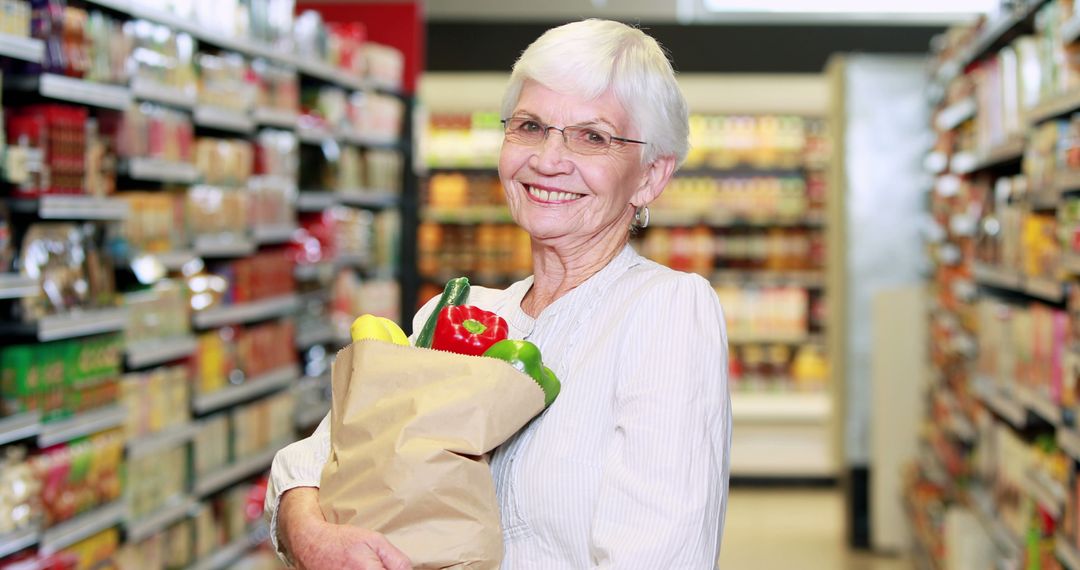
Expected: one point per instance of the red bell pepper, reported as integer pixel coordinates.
(465, 329)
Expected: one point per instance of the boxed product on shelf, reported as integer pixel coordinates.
(78, 43)
(463, 140)
(152, 131)
(223, 82)
(765, 312)
(162, 57)
(756, 197)
(225, 162)
(777, 368)
(157, 313)
(268, 273)
(278, 86)
(210, 449)
(330, 167)
(491, 254)
(58, 135)
(228, 517)
(233, 355)
(155, 221)
(155, 480)
(60, 378)
(171, 548)
(80, 476)
(20, 488)
(382, 64)
(258, 426)
(353, 296)
(373, 114)
(272, 201)
(361, 236)
(323, 107)
(72, 271)
(156, 400)
(15, 18)
(766, 141)
(216, 210)
(277, 153)
(458, 190)
(382, 170)
(1023, 347)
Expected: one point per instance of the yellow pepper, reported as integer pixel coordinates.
(377, 328)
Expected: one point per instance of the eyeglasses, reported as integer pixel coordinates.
(582, 140)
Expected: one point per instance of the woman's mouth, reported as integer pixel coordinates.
(550, 196)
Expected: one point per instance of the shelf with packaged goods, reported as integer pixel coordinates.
(1008, 153)
(1068, 439)
(1049, 196)
(244, 313)
(781, 407)
(153, 352)
(227, 555)
(276, 118)
(73, 90)
(326, 72)
(719, 219)
(765, 277)
(81, 424)
(24, 425)
(167, 438)
(323, 334)
(143, 89)
(72, 207)
(19, 540)
(222, 119)
(363, 198)
(1066, 552)
(956, 114)
(313, 271)
(315, 135)
(252, 388)
(775, 338)
(274, 234)
(159, 170)
(1039, 405)
(315, 200)
(71, 325)
(26, 49)
(492, 170)
(15, 286)
(1042, 288)
(1055, 107)
(1007, 542)
(372, 141)
(137, 530)
(1004, 405)
(236, 471)
(312, 404)
(224, 245)
(174, 260)
(82, 526)
(1049, 494)
(470, 215)
(993, 37)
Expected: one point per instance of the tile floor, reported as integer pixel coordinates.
(786, 529)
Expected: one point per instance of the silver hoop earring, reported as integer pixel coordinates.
(641, 217)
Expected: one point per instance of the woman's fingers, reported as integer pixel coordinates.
(391, 557)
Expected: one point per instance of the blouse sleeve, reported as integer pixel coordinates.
(664, 485)
(300, 464)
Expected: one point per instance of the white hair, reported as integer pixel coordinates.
(589, 57)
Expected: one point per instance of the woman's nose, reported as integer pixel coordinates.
(552, 156)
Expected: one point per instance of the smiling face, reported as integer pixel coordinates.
(564, 198)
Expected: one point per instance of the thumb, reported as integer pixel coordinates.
(390, 556)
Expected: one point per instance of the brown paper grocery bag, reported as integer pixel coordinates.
(409, 428)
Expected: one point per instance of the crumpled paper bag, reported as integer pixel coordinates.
(409, 430)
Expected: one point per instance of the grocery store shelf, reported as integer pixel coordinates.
(227, 555)
(315, 135)
(1070, 262)
(956, 114)
(1066, 552)
(82, 424)
(278, 118)
(165, 439)
(995, 277)
(368, 140)
(252, 388)
(83, 526)
(810, 279)
(492, 170)
(26, 49)
(57, 207)
(1069, 440)
(1055, 107)
(71, 325)
(158, 170)
(15, 286)
(772, 338)
(1009, 408)
(236, 472)
(223, 119)
(1049, 196)
(18, 427)
(145, 90)
(357, 260)
(1007, 153)
(243, 313)
(996, 35)
(280, 233)
(175, 260)
(311, 337)
(74, 90)
(311, 271)
(368, 198)
(780, 407)
(472, 215)
(1043, 288)
(718, 219)
(311, 415)
(18, 540)
(315, 201)
(1049, 494)
(1008, 544)
(163, 517)
(224, 245)
(146, 353)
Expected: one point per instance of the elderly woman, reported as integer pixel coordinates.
(629, 467)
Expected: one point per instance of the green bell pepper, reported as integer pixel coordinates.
(525, 357)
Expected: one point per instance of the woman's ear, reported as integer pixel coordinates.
(653, 181)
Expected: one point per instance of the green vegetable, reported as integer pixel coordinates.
(456, 292)
(525, 357)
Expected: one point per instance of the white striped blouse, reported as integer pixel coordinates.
(629, 467)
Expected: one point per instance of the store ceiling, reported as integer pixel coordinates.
(687, 11)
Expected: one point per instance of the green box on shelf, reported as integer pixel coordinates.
(20, 380)
(56, 394)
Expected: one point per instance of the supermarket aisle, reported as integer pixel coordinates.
(781, 529)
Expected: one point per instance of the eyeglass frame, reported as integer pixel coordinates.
(547, 129)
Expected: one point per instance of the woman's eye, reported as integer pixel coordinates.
(594, 137)
(529, 126)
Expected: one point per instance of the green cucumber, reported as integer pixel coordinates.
(456, 292)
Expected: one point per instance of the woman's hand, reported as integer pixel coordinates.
(319, 545)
